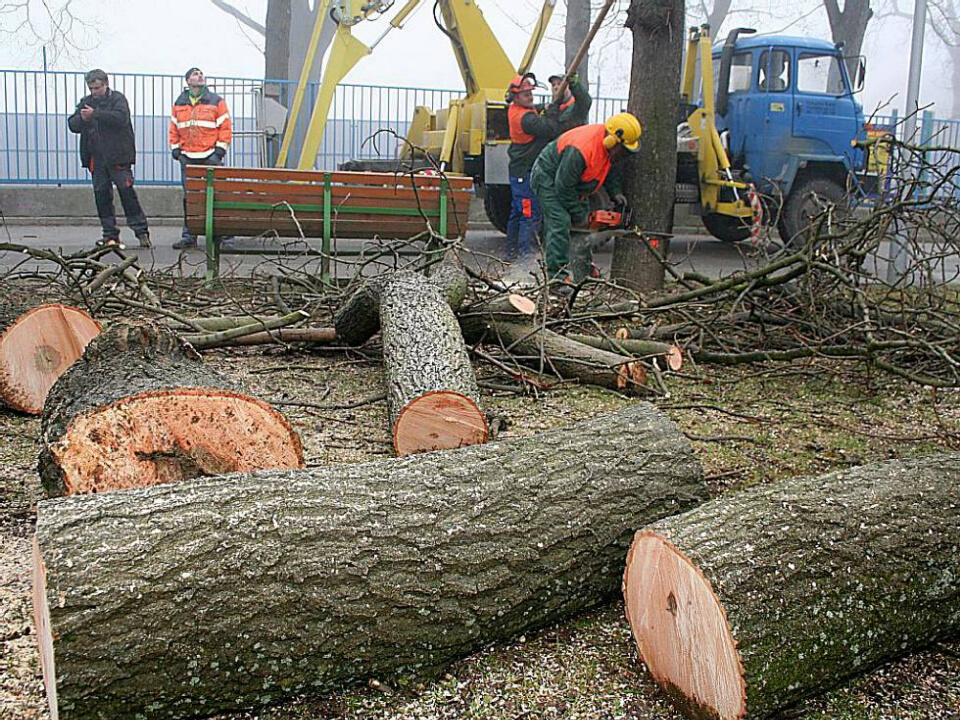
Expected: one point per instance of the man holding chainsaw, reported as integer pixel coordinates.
(573, 167)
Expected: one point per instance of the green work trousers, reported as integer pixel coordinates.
(556, 233)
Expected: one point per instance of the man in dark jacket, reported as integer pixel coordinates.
(575, 103)
(108, 151)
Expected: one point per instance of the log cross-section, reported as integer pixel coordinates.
(216, 594)
(756, 600)
(37, 345)
(140, 409)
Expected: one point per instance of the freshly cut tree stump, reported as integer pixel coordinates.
(432, 394)
(550, 352)
(358, 319)
(756, 600)
(222, 593)
(140, 409)
(37, 345)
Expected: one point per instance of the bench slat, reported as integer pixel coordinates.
(318, 177)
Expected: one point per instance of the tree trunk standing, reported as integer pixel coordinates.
(140, 409)
(276, 48)
(657, 27)
(849, 27)
(574, 32)
(954, 54)
(786, 590)
(715, 19)
(227, 593)
(37, 345)
(432, 394)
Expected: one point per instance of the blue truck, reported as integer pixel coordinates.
(780, 118)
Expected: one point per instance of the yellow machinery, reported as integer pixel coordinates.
(469, 137)
(726, 206)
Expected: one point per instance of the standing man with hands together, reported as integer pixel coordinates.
(200, 134)
(108, 150)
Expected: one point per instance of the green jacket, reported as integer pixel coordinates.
(544, 128)
(559, 174)
(578, 113)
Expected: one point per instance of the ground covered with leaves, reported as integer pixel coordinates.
(749, 424)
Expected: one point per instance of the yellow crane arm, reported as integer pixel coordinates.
(539, 32)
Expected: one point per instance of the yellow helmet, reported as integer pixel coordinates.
(623, 129)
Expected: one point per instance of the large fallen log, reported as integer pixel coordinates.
(756, 600)
(37, 345)
(358, 319)
(222, 593)
(139, 409)
(550, 352)
(432, 394)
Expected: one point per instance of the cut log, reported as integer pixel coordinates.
(226, 593)
(308, 335)
(37, 345)
(759, 599)
(432, 394)
(140, 409)
(547, 351)
(646, 349)
(358, 319)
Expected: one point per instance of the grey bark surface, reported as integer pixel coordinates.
(826, 577)
(549, 352)
(124, 360)
(232, 592)
(358, 319)
(423, 348)
(849, 27)
(650, 178)
(575, 31)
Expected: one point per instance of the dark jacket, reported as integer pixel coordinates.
(530, 131)
(576, 111)
(108, 135)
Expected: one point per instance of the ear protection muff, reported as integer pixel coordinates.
(611, 141)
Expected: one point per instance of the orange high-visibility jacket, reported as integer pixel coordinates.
(198, 129)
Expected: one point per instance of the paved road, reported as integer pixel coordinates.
(688, 252)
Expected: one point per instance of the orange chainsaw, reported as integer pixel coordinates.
(617, 218)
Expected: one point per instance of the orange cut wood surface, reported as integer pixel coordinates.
(37, 349)
(169, 436)
(438, 421)
(681, 629)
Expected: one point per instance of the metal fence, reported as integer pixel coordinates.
(37, 148)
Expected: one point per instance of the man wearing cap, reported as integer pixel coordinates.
(200, 134)
(530, 131)
(574, 104)
(573, 167)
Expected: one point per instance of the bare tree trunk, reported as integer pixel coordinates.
(657, 27)
(848, 27)
(717, 15)
(575, 31)
(955, 79)
(277, 41)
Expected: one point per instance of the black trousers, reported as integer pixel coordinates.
(105, 177)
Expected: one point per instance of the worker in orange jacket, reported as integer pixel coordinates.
(200, 134)
(573, 167)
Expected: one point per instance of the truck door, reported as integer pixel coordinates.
(824, 111)
(772, 121)
(739, 98)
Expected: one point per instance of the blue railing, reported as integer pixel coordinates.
(37, 148)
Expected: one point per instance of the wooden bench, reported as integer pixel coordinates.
(224, 201)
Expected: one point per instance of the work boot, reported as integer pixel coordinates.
(185, 244)
(111, 243)
(144, 239)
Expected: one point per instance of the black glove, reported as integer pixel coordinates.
(176, 154)
(219, 152)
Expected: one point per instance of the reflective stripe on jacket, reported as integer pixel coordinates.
(197, 129)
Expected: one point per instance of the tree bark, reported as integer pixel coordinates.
(657, 27)
(358, 319)
(228, 593)
(788, 589)
(849, 27)
(671, 355)
(140, 409)
(432, 394)
(548, 352)
(37, 345)
(574, 32)
(276, 48)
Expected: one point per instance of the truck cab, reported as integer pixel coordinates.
(786, 114)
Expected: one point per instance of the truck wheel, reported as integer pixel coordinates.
(496, 203)
(808, 199)
(726, 227)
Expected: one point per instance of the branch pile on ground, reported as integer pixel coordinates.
(139, 408)
(217, 594)
(758, 599)
(37, 345)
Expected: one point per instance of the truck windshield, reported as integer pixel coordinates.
(820, 74)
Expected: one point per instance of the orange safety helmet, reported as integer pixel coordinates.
(519, 84)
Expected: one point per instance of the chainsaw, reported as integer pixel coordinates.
(618, 218)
